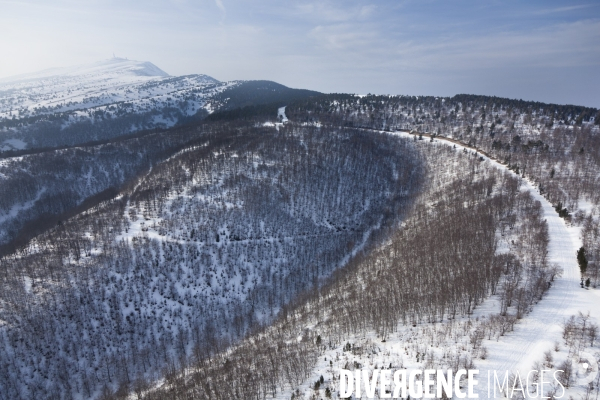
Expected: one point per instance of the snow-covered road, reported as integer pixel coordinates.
(540, 329)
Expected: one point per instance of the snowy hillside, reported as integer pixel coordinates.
(116, 96)
(101, 102)
(153, 264)
(409, 304)
(203, 249)
(39, 188)
(558, 326)
(471, 235)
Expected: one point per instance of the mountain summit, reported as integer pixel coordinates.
(115, 66)
(115, 97)
(63, 106)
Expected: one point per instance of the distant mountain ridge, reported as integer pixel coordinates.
(115, 97)
(115, 65)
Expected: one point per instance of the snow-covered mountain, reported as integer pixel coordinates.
(98, 101)
(127, 265)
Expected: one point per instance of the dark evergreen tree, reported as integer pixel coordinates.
(582, 261)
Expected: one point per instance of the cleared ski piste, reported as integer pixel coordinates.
(539, 330)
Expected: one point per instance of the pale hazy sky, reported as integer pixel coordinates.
(541, 50)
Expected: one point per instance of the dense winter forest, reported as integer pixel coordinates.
(235, 256)
(471, 233)
(555, 146)
(206, 247)
(46, 185)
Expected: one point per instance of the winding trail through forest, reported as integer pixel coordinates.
(540, 329)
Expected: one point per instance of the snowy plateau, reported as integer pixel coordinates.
(171, 237)
(117, 95)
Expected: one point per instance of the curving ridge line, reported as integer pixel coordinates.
(539, 330)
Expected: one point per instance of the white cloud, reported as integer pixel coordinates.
(221, 6)
(563, 9)
(328, 12)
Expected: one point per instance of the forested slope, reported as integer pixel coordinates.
(40, 188)
(472, 234)
(203, 249)
(176, 249)
(556, 146)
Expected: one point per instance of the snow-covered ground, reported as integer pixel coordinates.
(542, 328)
(106, 82)
(281, 114)
(538, 332)
(110, 89)
(13, 144)
(231, 226)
